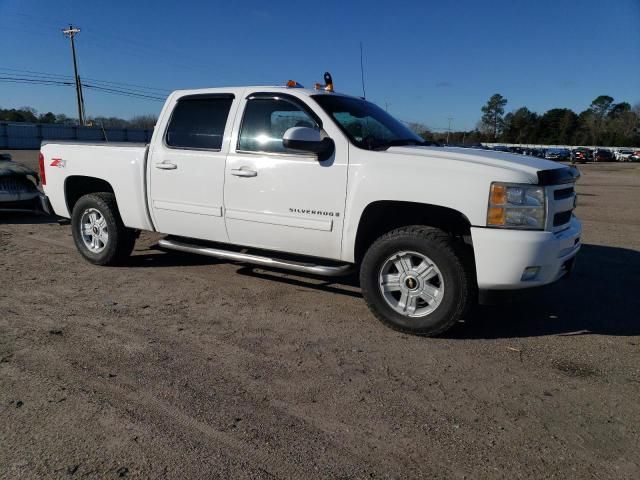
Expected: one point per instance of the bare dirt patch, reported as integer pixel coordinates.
(176, 366)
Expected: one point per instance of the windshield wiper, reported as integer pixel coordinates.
(406, 141)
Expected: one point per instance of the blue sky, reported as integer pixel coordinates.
(426, 60)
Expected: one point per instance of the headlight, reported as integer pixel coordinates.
(513, 205)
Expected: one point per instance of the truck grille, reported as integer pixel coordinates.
(14, 185)
(563, 193)
(561, 205)
(562, 218)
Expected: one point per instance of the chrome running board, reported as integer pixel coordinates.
(323, 270)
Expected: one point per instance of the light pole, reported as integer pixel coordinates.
(72, 32)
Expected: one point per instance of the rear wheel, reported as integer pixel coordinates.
(418, 280)
(98, 231)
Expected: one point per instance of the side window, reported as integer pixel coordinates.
(265, 121)
(199, 123)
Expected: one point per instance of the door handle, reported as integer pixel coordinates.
(243, 172)
(166, 166)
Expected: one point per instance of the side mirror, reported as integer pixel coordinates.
(307, 139)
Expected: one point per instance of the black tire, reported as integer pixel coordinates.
(451, 256)
(120, 240)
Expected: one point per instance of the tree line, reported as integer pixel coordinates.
(603, 123)
(28, 114)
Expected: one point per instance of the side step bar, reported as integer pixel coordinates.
(323, 270)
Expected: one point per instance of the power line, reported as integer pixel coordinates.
(142, 90)
(34, 80)
(124, 92)
(33, 73)
(121, 92)
(165, 90)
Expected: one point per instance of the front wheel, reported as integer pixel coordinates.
(98, 231)
(418, 280)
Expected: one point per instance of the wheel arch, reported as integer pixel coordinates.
(76, 186)
(382, 216)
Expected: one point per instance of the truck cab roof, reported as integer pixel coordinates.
(239, 90)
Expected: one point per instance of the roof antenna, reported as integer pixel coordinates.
(364, 93)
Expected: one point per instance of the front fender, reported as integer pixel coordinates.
(380, 176)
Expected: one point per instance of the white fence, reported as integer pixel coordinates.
(570, 147)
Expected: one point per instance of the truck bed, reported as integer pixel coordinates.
(121, 165)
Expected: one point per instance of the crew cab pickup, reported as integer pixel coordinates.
(316, 181)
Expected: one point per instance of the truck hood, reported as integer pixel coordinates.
(538, 169)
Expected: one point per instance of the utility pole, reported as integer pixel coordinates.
(72, 32)
(449, 129)
(81, 101)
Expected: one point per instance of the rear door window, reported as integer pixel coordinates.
(198, 122)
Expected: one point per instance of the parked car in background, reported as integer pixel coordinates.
(623, 154)
(557, 154)
(635, 156)
(533, 152)
(538, 152)
(603, 155)
(18, 186)
(581, 155)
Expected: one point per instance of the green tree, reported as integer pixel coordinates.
(585, 129)
(64, 120)
(492, 119)
(558, 127)
(622, 126)
(48, 117)
(619, 109)
(520, 126)
(143, 121)
(23, 114)
(600, 109)
(601, 106)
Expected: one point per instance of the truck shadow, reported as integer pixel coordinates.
(601, 297)
(154, 259)
(347, 285)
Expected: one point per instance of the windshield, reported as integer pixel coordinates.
(366, 124)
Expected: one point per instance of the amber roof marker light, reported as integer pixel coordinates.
(328, 83)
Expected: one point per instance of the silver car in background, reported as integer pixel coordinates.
(18, 187)
(623, 154)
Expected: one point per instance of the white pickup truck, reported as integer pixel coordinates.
(319, 182)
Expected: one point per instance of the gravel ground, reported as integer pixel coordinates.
(177, 366)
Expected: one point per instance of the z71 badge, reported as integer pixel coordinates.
(58, 162)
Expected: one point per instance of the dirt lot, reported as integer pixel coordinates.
(182, 367)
